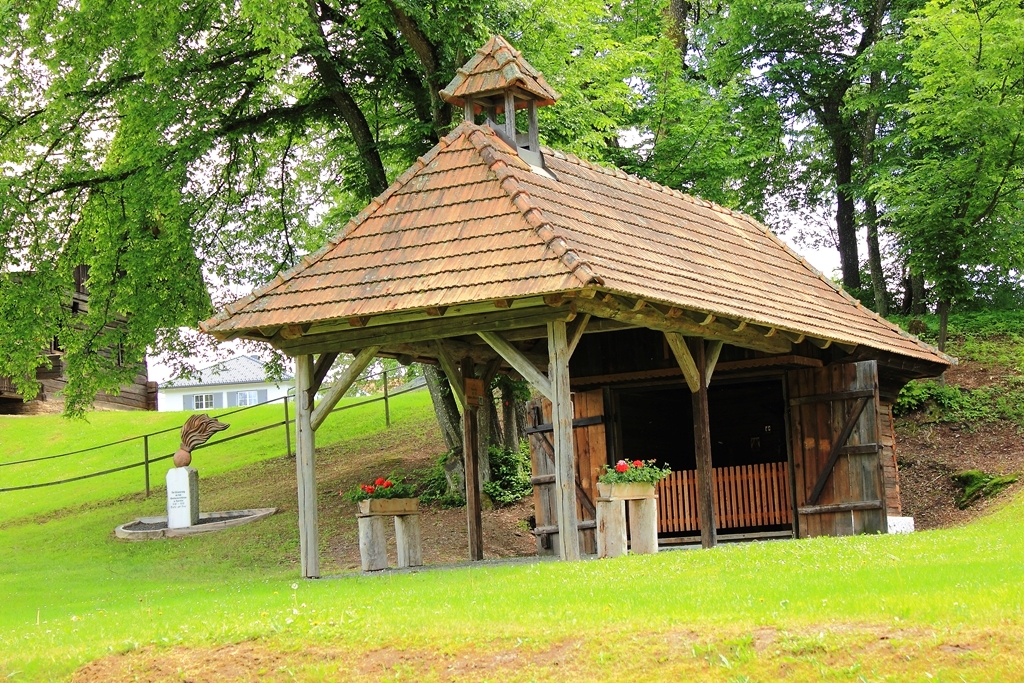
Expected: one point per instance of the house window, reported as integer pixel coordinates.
(203, 401)
(247, 398)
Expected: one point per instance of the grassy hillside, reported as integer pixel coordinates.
(36, 436)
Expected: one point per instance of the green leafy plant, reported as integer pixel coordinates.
(382, 487)
(434, 485)
(510, 474)
(634, 472)
(977, 484)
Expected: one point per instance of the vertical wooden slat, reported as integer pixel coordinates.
(688, 524)
(761, 503)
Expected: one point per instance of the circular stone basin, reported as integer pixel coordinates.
(149, 528)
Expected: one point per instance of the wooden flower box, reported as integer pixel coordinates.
(389, 506)
(633, 491)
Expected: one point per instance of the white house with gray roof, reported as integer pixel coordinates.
(240, 381)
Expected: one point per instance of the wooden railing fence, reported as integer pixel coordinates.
(745, 496)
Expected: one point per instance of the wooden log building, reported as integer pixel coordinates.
(141, 394)
(653, 324)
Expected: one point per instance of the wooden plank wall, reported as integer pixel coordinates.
(744, 496)
(890, 470)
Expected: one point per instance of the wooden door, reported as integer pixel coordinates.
(836, 445)
(590, 452)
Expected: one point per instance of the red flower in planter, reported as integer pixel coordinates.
(637, 463)
(380, 481)
(621, 466)
(370, 489)
(388, 484)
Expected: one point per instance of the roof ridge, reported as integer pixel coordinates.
(530, 211)
(644, 182)
(309, 259)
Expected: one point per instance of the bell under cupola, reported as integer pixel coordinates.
(497, 80)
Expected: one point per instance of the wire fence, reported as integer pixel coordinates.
(147, 460)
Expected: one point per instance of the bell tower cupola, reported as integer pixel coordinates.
(497, 80)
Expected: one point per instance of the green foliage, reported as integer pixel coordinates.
(977, 484)
(955, 198)
(433, 485)
(510, 474)
(633, 472)
(991, 337)
(946, 403)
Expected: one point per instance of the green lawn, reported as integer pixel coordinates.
(945, 605)
(36, 436)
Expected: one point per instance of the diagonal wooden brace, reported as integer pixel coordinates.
(837, 448)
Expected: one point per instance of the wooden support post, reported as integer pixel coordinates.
(372, 549)
(520, 362)
(611, 528)
(643, 526)
(561, 419)
(510, 117)
(534, 133)
(305, 469)
(702, 448)
(408, 537)
(474, 521)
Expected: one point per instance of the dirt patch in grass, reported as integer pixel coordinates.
(834, 652)
(929, 453)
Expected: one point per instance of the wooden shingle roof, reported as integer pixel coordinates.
(496, 67)
(472, 222)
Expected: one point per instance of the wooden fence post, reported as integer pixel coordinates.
(287, 429)
(387, 408)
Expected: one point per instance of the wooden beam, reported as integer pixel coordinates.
(426, 329)
(359, 320)
(436, 311)
(801, 361)
(503, 303)
(320, 370)
(521, 363)
(653, 319)
(565, 457)
(341, 385)
(305, 470)
(702, 450)
(452, 373)
(794, 337)
(713, 351)
(470, 439)
(576, 330)
(820, 343)
(291, 332)
(687, 364)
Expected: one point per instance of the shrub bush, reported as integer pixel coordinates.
(510, 474)
(433, 486)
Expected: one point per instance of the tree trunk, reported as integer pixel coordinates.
(426, 52)
(330, 77)
(918, 306)
(846, 228)
(870, 207)
(943, 321)
(446, 410)
(677, 21)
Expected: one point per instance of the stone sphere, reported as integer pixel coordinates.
(182, 458)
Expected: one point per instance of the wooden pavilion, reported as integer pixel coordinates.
(494, 254)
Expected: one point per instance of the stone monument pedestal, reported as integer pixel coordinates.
(182, 497)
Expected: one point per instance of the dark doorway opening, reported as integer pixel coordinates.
(748, 445)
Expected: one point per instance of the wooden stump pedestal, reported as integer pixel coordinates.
(373, 551)
(611, 519)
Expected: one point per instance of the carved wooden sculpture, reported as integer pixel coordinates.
(195, 432)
